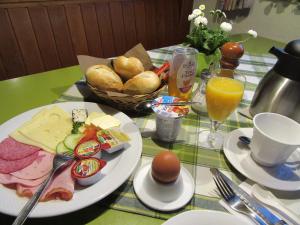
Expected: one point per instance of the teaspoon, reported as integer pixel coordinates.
(146, 105)
(245, 140)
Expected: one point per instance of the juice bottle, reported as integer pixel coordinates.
(182, 72)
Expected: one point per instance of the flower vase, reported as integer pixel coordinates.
(204, 61)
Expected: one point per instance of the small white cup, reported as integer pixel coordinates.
(275, 138)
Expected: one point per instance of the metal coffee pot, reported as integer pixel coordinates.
(279, 90)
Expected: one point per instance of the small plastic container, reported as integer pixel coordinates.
(87, 149)
(112, 140)
(168, 118)
(88, 171)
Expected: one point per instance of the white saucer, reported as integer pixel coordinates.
(161, 197)
(285, 177)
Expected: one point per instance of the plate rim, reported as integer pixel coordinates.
(208, 212)
(135, 153)
(232, 161)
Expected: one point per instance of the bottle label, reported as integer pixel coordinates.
(186, 75)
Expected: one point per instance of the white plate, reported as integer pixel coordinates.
(284, 177)
(153, 196)
(206, 217)
(116, 172)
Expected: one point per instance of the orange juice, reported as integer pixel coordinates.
(222, 96)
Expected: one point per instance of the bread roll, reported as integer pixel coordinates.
(104, 78)
(143, 83)
(128, 67)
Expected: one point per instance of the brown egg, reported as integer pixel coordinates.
(165, 167)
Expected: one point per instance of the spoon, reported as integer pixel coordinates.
(271, 200)
(245, 140)
(146, 105)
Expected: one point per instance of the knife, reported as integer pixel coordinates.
(262, 211)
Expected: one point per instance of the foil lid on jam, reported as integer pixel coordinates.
(167, 110)
(87, 171)
(88, 149)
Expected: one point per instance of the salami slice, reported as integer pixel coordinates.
(9, 179)
(7, 166)
(40, 167)
(11, 149)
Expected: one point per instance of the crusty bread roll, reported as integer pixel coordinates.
(104, 78)
(143, 83)
(128, 67)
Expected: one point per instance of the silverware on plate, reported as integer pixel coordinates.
(59, 162)
(241, 202)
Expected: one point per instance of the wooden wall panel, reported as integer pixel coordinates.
(62, 35)
(129, 23)
(2, 70)
(44, 35)
(152, 33)
(104, 21)
(140, 22)
(89, 17)
(118, 27)
(26, 39)
(76, 29)
(39, 35)
(160, 22)
(9, 49)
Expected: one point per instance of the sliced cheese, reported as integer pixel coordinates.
(46, 129)
(93, 115)
(106, 122)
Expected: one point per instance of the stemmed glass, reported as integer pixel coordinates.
(224, 91)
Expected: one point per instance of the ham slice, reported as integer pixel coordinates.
(7, 179)
(14, 150)
(7, 166)
(41, 166)
(62, 187)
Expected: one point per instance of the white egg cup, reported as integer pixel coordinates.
(163, 197)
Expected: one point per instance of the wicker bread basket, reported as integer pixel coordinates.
(124, 102)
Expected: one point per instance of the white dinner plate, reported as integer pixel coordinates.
(119, 166)
(284, 177)
(206, 217)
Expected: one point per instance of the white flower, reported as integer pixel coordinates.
(253, 33)
(191, 17)
(227, 27)
(202, 7)
(200, 20)
(197, 12)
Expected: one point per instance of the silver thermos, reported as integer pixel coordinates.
(279, 90)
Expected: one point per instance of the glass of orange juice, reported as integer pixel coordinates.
(224, 91)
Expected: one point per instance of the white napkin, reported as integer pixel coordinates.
(247, 187)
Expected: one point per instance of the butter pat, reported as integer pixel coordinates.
(93, 115)
(106, 122)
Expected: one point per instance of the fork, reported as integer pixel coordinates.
(235, 202)
(59, 161)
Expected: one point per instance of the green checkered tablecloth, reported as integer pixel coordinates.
(194, 158)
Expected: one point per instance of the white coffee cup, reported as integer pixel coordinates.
(275, 138)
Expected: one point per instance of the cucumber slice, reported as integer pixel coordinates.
(61, 148)
(72, 140)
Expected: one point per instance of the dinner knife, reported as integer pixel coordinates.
(262, 211)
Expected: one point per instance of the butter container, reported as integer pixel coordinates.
(112, 140)
(168, 118)
(88, 171)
